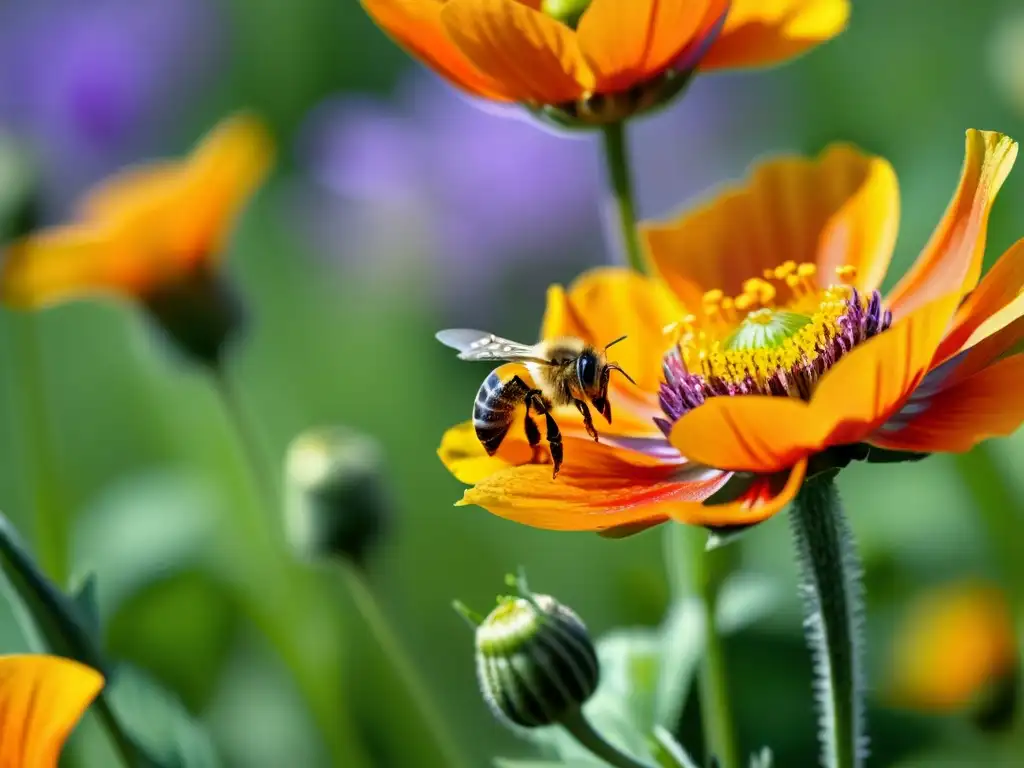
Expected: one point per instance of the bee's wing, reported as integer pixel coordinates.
(481, 345)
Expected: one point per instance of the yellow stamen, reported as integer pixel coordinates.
(846, 273)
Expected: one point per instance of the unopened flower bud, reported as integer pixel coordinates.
(18, 194)
(200, 313)
(337, 504)
(535, 661)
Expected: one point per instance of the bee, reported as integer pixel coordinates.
(567, 371)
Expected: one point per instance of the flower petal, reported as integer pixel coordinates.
(1000, 286)
(767, 495)
(67, 262)
(597, 489)
(604, 304)
(988, 404)
(762, 32)
(768, 434)
(952, 259)
(464, 456)
(536, 59)
(41, 700)
(416, 26)
(626, 42)
(840, 208)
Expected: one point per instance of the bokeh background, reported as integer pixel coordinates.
(398, 208)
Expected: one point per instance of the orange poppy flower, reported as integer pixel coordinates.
(42, 698)
(153, 233)
(953, 644)
(762, 343)
(600, 60)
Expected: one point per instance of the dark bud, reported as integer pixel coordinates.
(337, 503)
(19, 201)
(995, 708)
(200, 312)
(535, 661)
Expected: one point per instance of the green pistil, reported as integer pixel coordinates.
(767, 329)
(568, 12)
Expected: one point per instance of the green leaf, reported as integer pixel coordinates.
(682, 643)
(762, 759)
(158, 723)
(143, 530)
(84, 598)
(672, 749)
(501, 762)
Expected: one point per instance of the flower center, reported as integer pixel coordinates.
(778, 337)
(568, 12)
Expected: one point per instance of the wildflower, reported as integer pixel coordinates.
(41, 700)
(762, 347)
(599, 61)
(153, 234)
(954, 645)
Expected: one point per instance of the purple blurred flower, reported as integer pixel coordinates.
(92, 82)
(493, 194)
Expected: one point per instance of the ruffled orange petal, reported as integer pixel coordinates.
(68, 262)
(839, 209)
(768, 434)
(998, 289)
(758, 33)
(464, 456)
(42, 698)
(766, 496)
(604, 304)
(536, 59)
(988, 404)
(626, 42)
(416, 26)
(952, 259)
(597, 489)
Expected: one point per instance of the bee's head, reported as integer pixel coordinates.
(594, 371)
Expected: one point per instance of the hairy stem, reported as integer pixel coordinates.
(623, 201)
(833, 598)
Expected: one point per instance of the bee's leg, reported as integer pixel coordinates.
(554, 435)
(588, 420)
(532, 432)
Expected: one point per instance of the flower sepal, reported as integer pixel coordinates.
(200, 313)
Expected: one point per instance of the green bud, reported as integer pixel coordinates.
(199, 312)
(337, 504)
(18, 193)
(535, 661)
(568, 12)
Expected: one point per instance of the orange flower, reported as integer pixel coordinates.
(954, 644)
(600, 60)
(41, 700)
(762, 349)
(153, 233)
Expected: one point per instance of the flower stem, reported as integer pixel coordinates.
(692, 571)
(278, 610)
(833, 595)
(623, 200)
(368, 606)
(123, 745)
(580, 728)
(52, 544)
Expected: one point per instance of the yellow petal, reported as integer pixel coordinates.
(759, 33)
(626, 42)
(464, 456)
(535, 58)
(604, 304)
(41, 700)
(768, 434)
(416, 26)
(952, 259)
(68, 262)
(841, 208)
(951, 644)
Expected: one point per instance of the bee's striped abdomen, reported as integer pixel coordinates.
(495, 409)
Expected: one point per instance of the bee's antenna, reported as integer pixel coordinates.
(613, 343)
(617, 367)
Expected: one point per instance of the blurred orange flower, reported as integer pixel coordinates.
(145, 229)
(762, 341)
(41, 700)
(953, 644)
(564, 54)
